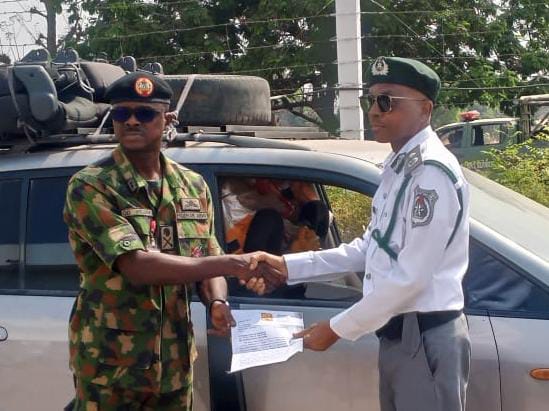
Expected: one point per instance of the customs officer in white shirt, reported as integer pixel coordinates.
(414, 252)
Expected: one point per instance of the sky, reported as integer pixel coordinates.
(19, 29)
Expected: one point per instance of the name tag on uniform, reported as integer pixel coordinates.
(131, 212)
(190, 204)
(192, 215)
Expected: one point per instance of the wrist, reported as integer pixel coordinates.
(214, 302)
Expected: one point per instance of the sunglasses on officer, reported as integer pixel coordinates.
(142, 114)
(384, 101)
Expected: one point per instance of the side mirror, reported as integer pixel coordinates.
(3, 334)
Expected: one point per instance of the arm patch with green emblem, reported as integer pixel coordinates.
(424, 206)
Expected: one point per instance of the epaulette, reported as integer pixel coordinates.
(104, 162)
(413, 160)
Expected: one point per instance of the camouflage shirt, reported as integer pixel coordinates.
(137, 337)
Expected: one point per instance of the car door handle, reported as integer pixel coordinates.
(10, 261)
(3, 334)
(540, 374)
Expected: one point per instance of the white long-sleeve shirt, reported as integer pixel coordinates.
(427, 274)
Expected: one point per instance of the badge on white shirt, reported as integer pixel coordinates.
(424, 206)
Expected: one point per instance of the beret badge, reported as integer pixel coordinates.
(380, 67)
(144, 87)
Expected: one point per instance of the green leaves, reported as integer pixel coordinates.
(523, 168)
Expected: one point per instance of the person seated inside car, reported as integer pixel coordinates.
(277, 216)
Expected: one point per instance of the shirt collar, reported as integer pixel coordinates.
(395, 161)
(134, 180)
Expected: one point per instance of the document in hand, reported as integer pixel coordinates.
(263, 337)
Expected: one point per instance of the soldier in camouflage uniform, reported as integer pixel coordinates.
(134, 220)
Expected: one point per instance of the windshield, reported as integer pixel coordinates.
(510, 214)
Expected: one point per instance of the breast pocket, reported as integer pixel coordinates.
(142, 226)
(193, 230)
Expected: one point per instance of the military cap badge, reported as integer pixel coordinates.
(380, 67)
(144, 87)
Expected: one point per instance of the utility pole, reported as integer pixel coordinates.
(349, 68)
(53, 7)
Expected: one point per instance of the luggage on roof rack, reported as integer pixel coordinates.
(41, 97)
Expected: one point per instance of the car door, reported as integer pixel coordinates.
(518, 306)
(345, 376)
(483, 137)
(36, 297)
(38, 283)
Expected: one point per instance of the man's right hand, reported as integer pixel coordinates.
(270, 272)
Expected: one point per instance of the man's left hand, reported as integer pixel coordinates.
(222, 319)
(318, 337)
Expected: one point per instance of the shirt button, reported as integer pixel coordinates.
(368, 276)
(384, 196)
(385, 214)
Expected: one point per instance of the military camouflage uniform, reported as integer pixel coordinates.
(124, 336)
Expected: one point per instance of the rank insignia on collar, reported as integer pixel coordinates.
(132, 184)
(398, 163)
(424, 206)
(413, 160)
(380, 67)
(143, 86)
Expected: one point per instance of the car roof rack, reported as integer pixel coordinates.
(249, 136)
(177, 140)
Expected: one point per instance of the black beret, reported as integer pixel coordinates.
(406, 72)
(139, 86)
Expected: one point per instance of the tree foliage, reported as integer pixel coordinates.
(481, 48)
(524, 168)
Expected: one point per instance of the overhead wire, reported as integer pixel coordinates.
(318, 15)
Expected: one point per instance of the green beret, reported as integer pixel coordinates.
(406, 72)
(139, 86)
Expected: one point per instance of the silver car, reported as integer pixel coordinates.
(506, 287)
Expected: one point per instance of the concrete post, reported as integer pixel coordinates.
(349, 68)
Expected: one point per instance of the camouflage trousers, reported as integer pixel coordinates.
(92, 397)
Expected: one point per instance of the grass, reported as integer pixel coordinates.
(351, 211)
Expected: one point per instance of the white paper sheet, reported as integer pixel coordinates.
(263, 337)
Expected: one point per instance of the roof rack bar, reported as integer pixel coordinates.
(68, 140)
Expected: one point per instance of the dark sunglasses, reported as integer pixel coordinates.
(384, 101)
(142, 114)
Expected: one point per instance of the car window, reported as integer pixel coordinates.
(488, 134)
(10, 206)
(288, 216)
(493, 284)
(351, 210)
(49, 261)
(452, 138)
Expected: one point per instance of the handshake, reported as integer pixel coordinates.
(261, 272)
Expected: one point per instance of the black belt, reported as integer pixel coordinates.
(393, 329)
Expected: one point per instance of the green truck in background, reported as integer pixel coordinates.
(471, 138)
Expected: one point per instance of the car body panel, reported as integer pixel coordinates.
(348, 371)
(37, 353)
(522, 347)
(343, 377)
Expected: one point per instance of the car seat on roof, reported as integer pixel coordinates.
(53, 97)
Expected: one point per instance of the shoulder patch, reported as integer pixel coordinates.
(423, 208)
(413, 160)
